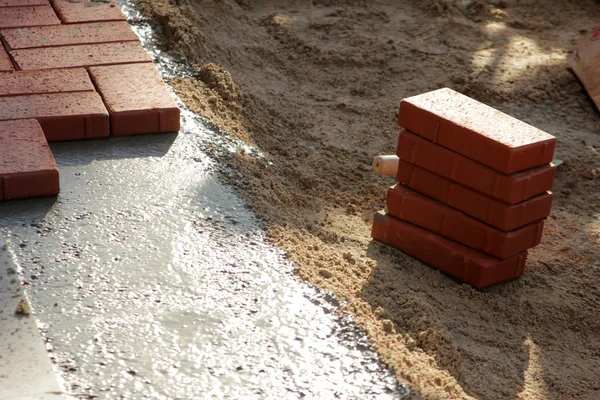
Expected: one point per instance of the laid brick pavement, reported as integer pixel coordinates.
(137, 99)
(45, 81)
(19, 17)
(15, 3)
(63, 35)
(27, 167)
(5, 64)
(63, 116)
(79, 56)
(48, 52)
(71, 11)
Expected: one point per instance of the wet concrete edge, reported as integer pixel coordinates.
(25, 368)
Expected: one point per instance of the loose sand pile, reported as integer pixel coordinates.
(316, 85)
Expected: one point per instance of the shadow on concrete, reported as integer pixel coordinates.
(84, 152)
(13, 211)
(81, 153)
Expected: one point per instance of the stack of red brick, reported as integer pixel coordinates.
(473, 188)
(73, 70)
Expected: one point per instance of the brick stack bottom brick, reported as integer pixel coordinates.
(471, 221)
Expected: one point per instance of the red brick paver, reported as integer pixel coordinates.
(477, 131)
(80, 56)
(52, 89)
(137, 99)
(63, 35)
(27, 167)
(410, 206)
(19, 17)
(511, 189)
(503, 216)
(5, 64)
(63, 116)
(464, 263)
(17, 3)
(73, 11)
(45, 81)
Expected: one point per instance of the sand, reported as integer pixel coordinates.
(315, 85)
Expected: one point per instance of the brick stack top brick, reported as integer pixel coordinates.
(476, 131)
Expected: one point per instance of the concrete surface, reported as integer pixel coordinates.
(25, 369)
(152, 280)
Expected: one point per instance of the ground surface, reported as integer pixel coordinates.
(150, 279)
(316, 86)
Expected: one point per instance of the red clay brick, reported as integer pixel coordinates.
(5, 64)
(45, 81)
(511, 189)
(23, 3)
(19, 17)
(63, 116)
(476, 131)
(461, 262)
(63, 35)
(500, 215)
(80, 56)
(27, 167)
(73, 11)
(137, 99)
(410, 206)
